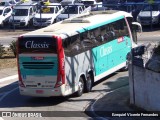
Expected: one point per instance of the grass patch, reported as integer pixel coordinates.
(8, 60)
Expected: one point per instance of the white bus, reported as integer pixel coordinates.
(69, 56)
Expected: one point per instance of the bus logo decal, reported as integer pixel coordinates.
(105, 51)
(31, 44)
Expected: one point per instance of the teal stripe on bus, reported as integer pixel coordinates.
(110, 55)
(100, 24)
(39, 71)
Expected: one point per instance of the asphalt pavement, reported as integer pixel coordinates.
(112, 105)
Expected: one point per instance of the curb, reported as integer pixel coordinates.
(8, 78)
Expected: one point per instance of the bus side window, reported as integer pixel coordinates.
(111, 31)
(86, 42)
(114, 30)
(97, 33)
(95, 36)
(71, 45)
(75, 46)
(121, 28)
(125, 31)
(92, 37)
(103, 33)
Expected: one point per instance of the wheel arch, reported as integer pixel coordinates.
(90, 71)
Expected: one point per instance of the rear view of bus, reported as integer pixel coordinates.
(39, 67)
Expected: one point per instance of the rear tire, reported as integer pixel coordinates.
(80, 87)
(89, 84)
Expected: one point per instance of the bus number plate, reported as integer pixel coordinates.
(38, 58)
(39, 91)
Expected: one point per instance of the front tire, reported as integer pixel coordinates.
(80, 87)
(128, 58)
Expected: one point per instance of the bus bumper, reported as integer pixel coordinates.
(37, 92)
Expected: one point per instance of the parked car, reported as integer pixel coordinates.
(71, 10)
(8, 2)
(23, 14)
(5, 14)
(149, 14)
(47, 15)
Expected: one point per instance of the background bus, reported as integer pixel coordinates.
(69, 56)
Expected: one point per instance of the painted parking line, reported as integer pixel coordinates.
(9, 78)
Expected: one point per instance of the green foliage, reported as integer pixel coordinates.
(2, 51)
(13, 48)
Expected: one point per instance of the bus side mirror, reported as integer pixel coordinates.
(137, 26)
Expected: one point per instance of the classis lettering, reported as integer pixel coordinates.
(32, 44)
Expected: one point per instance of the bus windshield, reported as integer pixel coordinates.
(37, 45)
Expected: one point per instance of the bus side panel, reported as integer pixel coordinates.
(71, 66)
(111, 54)
(75, 67)
(120, 51)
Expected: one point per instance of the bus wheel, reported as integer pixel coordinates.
(80, 87)
(126, 67)
(89, 83)
(128, 58)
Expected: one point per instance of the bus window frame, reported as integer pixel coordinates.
(94, 37)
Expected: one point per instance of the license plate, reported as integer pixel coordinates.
(39, 91)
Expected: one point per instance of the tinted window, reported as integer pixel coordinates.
(37, 45)
(71, 10)
(12, 2)
(21, 12)
(2, 3)
(1, 12)
(91, 38)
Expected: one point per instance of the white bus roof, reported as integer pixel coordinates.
(71, 25)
